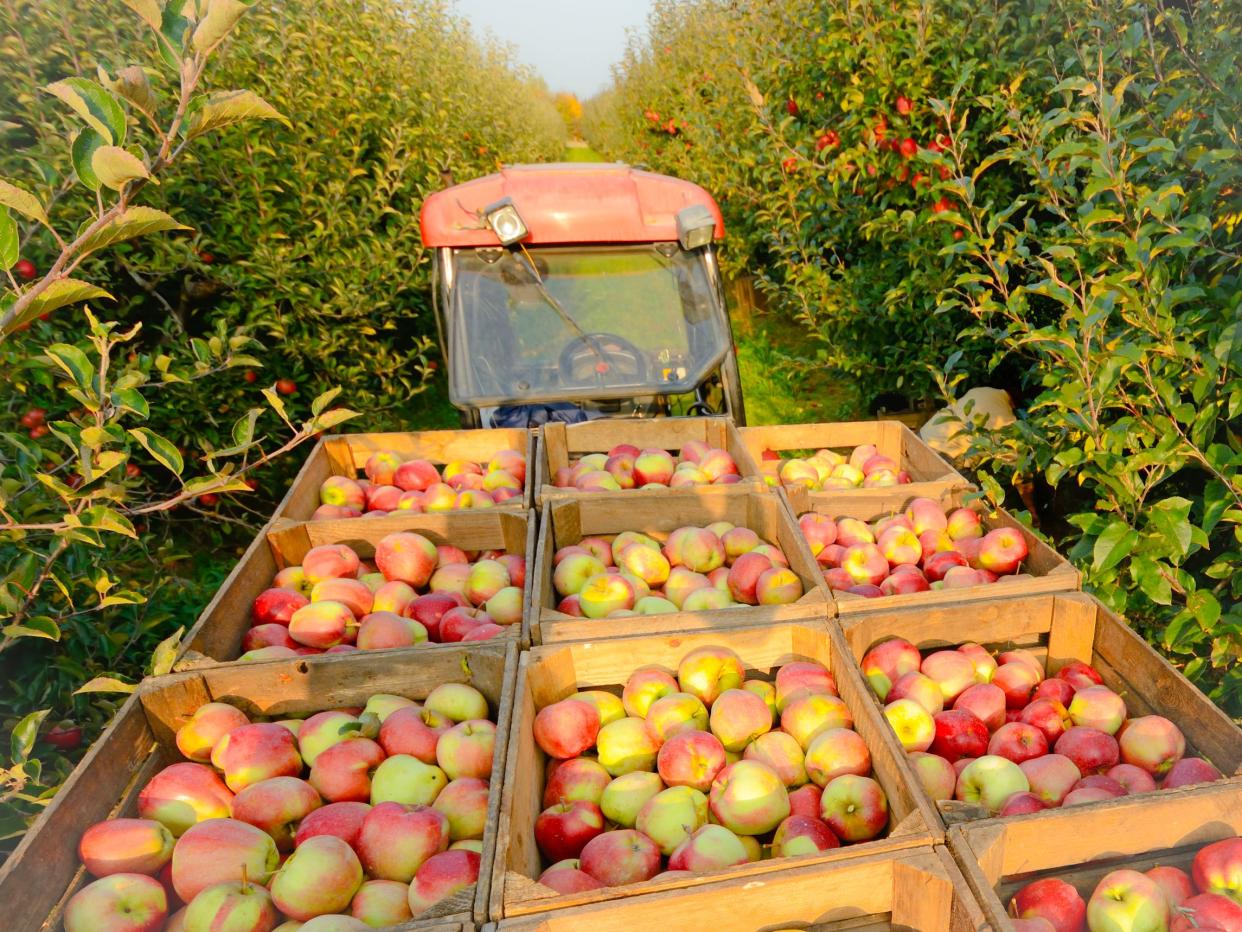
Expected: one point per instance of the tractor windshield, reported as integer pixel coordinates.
(607, 322)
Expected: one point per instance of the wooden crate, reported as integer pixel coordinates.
(1050, 571)
(549, 674)
(346, 454)
(217, 634)
(1059, 629)
(567, 522)
(921, 889)
(930, 473)
(1082, 844)
(40, 876)
(559, 443)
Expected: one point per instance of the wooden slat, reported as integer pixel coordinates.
(567, 522)
(918, 889)
(548, 674)
(1164, 825)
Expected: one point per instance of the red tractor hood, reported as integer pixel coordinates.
(565, 203)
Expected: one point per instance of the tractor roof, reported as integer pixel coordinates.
(565, 203)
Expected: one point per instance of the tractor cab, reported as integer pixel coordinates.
(578, 291)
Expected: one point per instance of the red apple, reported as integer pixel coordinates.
(1174, 882)
(1052, 777)
(620, 857)
(1189, 771)
(118, 903)
(959, 734)
(567, 877)
(1051, 899)
(344, 820)
(567, 728)
(1217, 868)
(1091, 751)
(1207, 912)
(1124, 900)
(394, 839)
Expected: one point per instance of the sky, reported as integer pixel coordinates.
(572, 43)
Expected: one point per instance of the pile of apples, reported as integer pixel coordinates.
(335, 602)
(825, 470)
(696, 569)
(708, 769)
(393, 484)
(625, 466)
(918, 550)
(349, 819)
(998, 733)
(1164, 897)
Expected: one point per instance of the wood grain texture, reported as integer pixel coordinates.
(560, 443)
(551, 673)
(43, 871)
(346, 454)
(567, 522)
(1058, 629)
(906, 890)
(998, 856)
(1047, 569)
(217, 634)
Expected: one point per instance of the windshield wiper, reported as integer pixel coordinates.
(551, 301)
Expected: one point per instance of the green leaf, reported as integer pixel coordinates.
(40, 627)
(1204, 606)
(116, 168)
(1155, 585)
(105, 684)
(330, 419)
(94, 104)
(9, 242)
(102, 518)
(222, 16)
(217, 484)
(22, 740)
(1113, 546)
(164, 450)
(243, 427)
(174, 29)
(23, 202)
(149, 10)
(225, 108)
(325, 399)
(277, 404)
(129, 224)
(56, 295)
(133, 85)
(74, 362)
(165, 654)
(85, 145)
(130, 399)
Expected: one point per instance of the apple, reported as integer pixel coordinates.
(1091, 751)
(1053, 900)
(854, 807)
(706, 672)
(1083, 795)
(278, 805)
(581, 778)
(568, 877)
(675, 713)
(1104, 782)
(835, 752)
(963, 523)
(329, 561)
(441, 876)
(395, 839)
(1054, 688)
(938, 565)
(118, 903)
(381, 903)
(1098, 707)
(385, 630)
(1127, 901)
(563, 829)
(708, 848)
(1080, 675)
(209, 723)
(989, 781)
(125, 846)
(626, 795)
(1217, 868)
(1049, 716)
(738, 717)
(805, 801)
(1022, 804)
(259, 752)
(216, 851)
(1207, 911)
(406, 557)
(936, 774)
(959, 734)
(413, 730)
(1187, 772)
(464, 803)
(781, 752)
(466, 749)
(184, 794)
(914, 725)
(1018, 741)
(807, 716)
(744, 575)
(342, 772)
(865, 564)
(344, 820)
(778, 586)
(322, 624)
(1151, 742)
(919, 688)
(405, 779)
(802, 677)
(351, 593)
(799, 835)
(415, 475)
(320, 877)
(459, 702)
(1175, 883)
(1051, 777)
(261, 636)
(1017, 681)
(1133, 779)
(671, 816)
(887, 661)
(749, 798)
(620, 857)
(986, 701)
(625, 745)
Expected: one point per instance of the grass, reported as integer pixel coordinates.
(582, 153)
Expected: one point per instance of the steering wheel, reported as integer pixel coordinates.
(587, 359)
